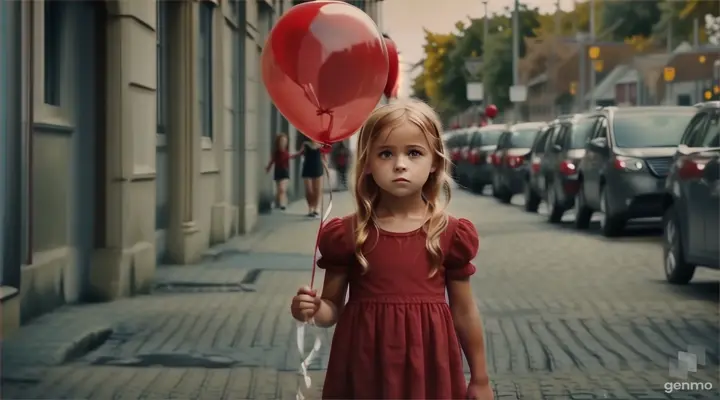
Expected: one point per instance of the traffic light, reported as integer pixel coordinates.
(711, 93)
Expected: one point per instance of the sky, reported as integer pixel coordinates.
(404, 21)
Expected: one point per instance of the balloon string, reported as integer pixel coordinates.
(312, 98)
(324, 216)
(301, 326)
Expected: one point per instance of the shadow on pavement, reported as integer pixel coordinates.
(706, 290)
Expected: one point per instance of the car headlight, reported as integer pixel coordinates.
(629, 163)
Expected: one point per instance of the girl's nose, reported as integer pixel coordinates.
(400, 164)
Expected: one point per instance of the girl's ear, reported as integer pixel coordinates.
(432, 169)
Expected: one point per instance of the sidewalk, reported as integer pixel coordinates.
(230, 311)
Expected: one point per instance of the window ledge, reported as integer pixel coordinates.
(206, 143)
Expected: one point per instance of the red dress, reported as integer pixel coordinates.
(395, 338)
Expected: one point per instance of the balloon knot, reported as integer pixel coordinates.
(323, 111)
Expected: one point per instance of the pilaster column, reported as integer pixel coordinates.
(184, 144)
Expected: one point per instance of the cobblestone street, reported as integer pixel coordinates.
(567, 315)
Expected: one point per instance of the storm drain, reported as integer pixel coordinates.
(201, 287)
(168, 360)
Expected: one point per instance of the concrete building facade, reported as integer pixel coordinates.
(135, 133)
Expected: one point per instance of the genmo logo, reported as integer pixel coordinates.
(680, 367)
(687, 386)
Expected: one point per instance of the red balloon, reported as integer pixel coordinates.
(491, 111)
(393, 67)
(325, 66)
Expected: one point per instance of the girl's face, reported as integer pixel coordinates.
(282, 143)
(401, 160)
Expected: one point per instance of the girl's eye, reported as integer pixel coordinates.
(385, 154)
(414, 153)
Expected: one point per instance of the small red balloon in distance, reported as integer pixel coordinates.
(491, 111)
(325, 66)
(393, 67)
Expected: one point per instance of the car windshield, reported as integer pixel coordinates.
(580, 133)
(650, 129)
(523, 138)
(490, 138)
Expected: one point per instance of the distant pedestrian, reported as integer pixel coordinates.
(396, 336)
(312, 174)
(280, 158)
(341, 161)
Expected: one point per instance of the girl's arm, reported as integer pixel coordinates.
(270, 164)
(468, 325)
(332, 300)
(299, 153)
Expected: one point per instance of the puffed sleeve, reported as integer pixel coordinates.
(463, 248)
(334, 244)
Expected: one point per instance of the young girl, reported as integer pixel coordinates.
(281, 159)
(396, 335)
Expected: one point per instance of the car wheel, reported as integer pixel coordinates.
(495, 186)
(583, 213)
(677, 270)
(610, 225)
(556, 211)
(532, 200)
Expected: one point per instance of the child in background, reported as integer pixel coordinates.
(396, 336)
(281, 159)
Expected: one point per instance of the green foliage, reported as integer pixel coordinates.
(641, 23)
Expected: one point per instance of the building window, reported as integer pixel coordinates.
(53, 49)
(162, 64)
(205, 67)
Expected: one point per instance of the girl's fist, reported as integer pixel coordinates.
(305, 304)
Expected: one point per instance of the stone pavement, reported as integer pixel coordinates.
(567, 316)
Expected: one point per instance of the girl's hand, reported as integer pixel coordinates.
(480, 391)
(305, 304)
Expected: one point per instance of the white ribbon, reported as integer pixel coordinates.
(301, 325)
(307, 360)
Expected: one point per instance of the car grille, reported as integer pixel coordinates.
(659, 166)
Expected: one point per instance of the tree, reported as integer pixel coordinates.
(680, 15)
(631, 19)
(469, 44)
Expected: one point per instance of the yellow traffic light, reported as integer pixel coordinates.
(702, 59)
(669, 74)
(598, 65)
(708, 95)
(573, 88)
(594, 52)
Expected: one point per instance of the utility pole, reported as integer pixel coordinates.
(553, 64)
(516, 54)
(592, 62)
(486, 34)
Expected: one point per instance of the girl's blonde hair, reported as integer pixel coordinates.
(367, 193)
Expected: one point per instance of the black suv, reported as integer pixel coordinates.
(626, 162)
(692, 199)
(553, 173)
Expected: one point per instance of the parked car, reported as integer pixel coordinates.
(555, 174)
(531, 188)
(454, 144)
(627, 159)
(474, 168)
(692, 199)
(509, 159)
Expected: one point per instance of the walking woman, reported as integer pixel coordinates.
(281, 159)
(312, 173)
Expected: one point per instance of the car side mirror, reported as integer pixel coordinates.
(599, 143)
